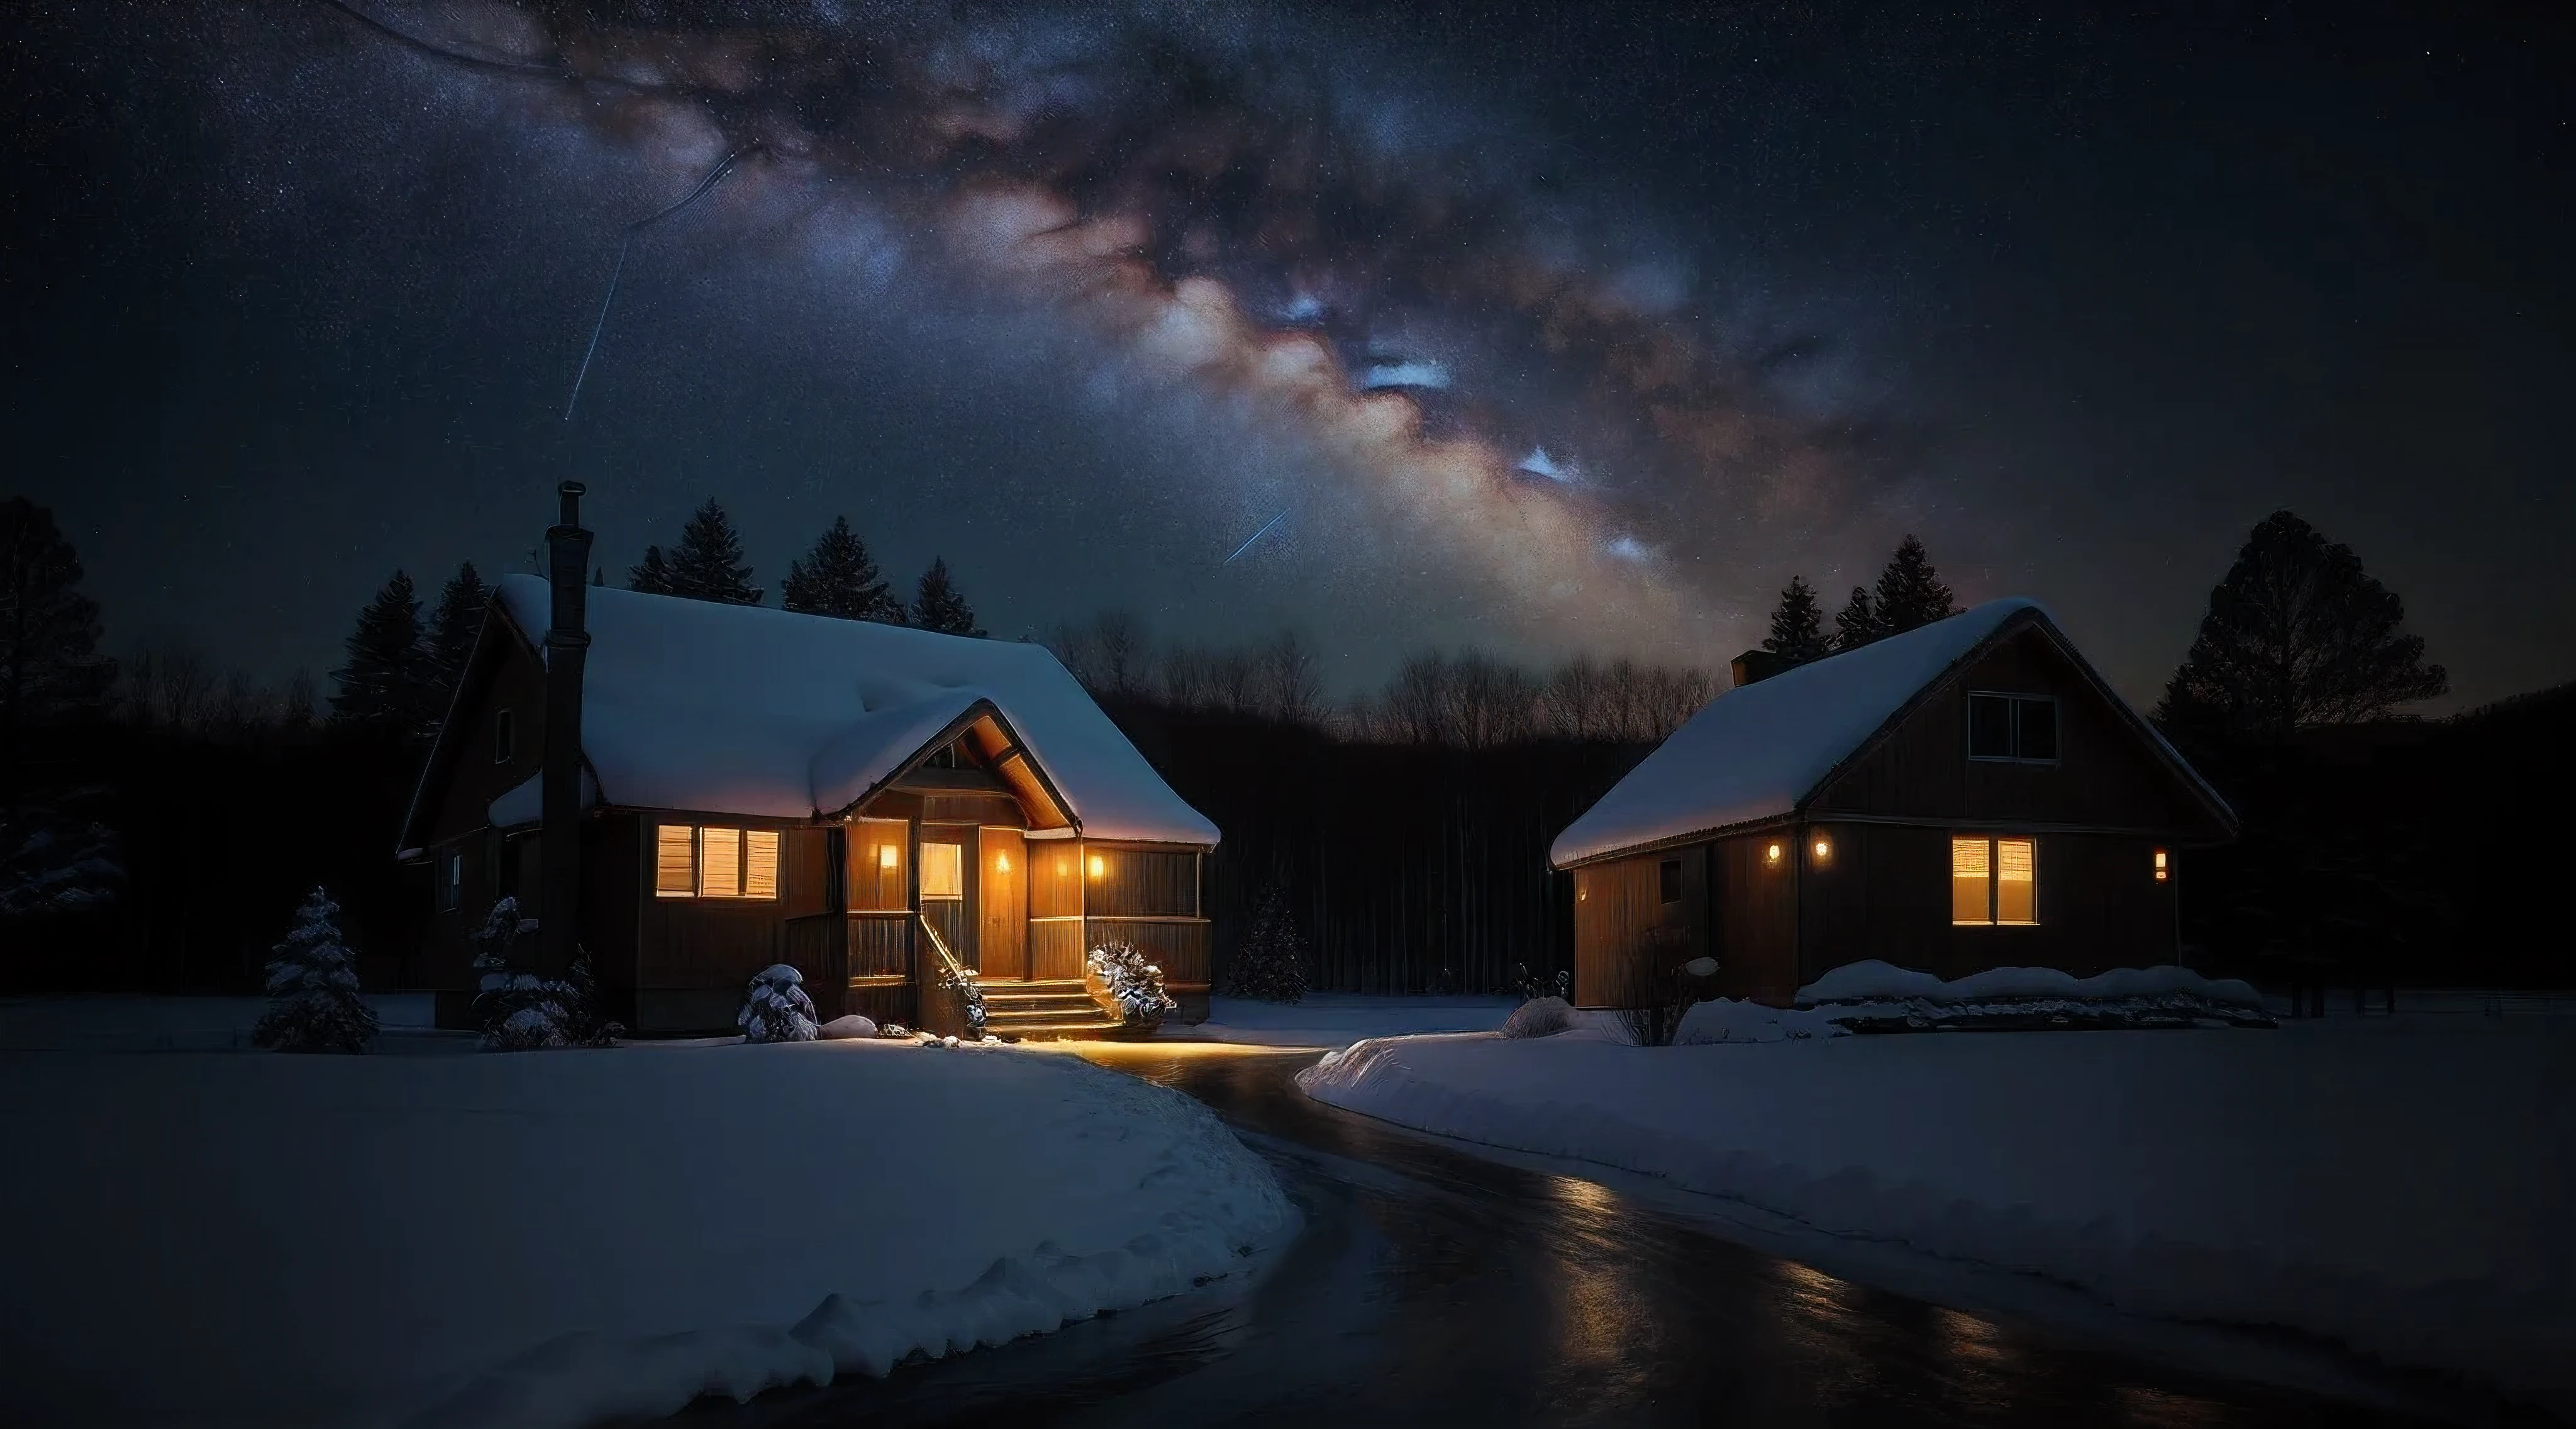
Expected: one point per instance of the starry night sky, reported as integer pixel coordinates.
(1566, 327)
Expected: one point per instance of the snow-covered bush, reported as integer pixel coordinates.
(959, 982)
(849, 1028)
(1654, 992)
(1133, 983)
(1539, 1017)
(585, 1016)
(1270, 966)
(519, 1011)
(314, 1004)
(53, 861)
(775, 1007)
(1531, 987)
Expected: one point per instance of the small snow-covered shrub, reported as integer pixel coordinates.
(314, 1004)
(1270, 966)
(1531, 987)
(775, 1007)
(851, 1028)
(1725, 1019)
(585, 1016)
(959, 982)
(1133, 983)
(519, 1010)
(1539, 1017)
(53, 861)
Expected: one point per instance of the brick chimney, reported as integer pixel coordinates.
(567, 645)
(1756, 664)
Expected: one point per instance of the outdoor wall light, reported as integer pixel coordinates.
(2164, 870)
(1824, 849)
(1771, 854)
(1001, 863)
(885, 855)
(1099, 865)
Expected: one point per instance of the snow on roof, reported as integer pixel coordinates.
(688, 704)
(524, 802)
(1757, 750)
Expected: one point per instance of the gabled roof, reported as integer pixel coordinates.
(734, 709)
(1759, 752)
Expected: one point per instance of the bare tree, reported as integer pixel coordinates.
(1292, 681)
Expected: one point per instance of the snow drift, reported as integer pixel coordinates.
(560, 1238)
(2400, 1186)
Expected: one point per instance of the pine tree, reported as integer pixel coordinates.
(50, 670)
(652, 575)
(519, 1010)
(1798, 625)
(936, 605)
(1856, 624)
(458, 619)
(1271, 963)
(839, 578)
(2297, 635)
(388, 681)
(1910, 592)
(313, 1001)
(708, 564)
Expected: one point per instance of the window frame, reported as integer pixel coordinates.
(2014, 700)
(743, 863)
(1993, 857)
(451, 880)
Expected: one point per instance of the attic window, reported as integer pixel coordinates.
(694, 862)
(2018, 729)
(505, 736)
(1994, 882)
(949, 756)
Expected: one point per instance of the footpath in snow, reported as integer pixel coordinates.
(2401, 1185)
(563, 1238)
(1337, 1019)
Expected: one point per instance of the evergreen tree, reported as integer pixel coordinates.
(519, 1010)
(936, 605)
(1856, 624)
(1910, 592)
(839, 578)
(50, 670)
(775, 1007)
(599, 576)
(652, 575)
(389, 679)
(708, 564)
(2297, 635)
(1798, 625)
(1271, 963)
(452, 628)
(313, 1001)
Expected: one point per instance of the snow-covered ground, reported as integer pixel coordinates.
(2401, 1185)
(119, 1023)
(558, 1238)
(1337, 1019)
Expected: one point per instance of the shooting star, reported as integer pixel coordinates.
(1257, 535)
(714, 176)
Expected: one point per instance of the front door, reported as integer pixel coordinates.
(1003, 904)
(943, 890)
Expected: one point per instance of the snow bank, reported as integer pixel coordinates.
(1875, 981)
(1539, 1017)
(1727, 1020)
(2402, 1186)
(560, 1238)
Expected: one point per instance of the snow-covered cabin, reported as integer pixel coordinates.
(1967, 795)
(865, 802)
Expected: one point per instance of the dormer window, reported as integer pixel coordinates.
(2018, 729)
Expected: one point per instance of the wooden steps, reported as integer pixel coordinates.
(1054, 1011)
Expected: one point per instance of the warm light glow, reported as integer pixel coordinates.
(885, 855)
(1099, 865)
(1001, 863)
(2163, 871)
(1971, 874)
(1823, 849)
(675, 862)
(943, 870)
(760, 863)
(2016, 881)
(1772, 853)
(719, 863)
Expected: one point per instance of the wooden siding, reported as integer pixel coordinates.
(873, 887)
(1885, 893)
(2107, 775)
(1140, 883)
(1755, 916)
(996, 809)
(1055, 878)
(1179, 946)
(505, 674)
(880, 944)
(718, 943)
(1619, 906)
(1002, 908)
(1055, 948)
(817, 945)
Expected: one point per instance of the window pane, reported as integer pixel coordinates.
(943, 870)
(1989, 727)
(675, 862)
(760, 863)
(2035, 729)
(1668, 880)
(1969, 881)
(721, 851)
(2016, 881)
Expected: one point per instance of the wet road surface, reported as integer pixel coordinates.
(1431, 1286)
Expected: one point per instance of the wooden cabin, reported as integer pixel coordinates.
(868, 803)
(1963, 796)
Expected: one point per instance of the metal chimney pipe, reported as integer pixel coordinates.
(567, 645)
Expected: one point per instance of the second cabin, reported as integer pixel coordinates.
(1964, 796)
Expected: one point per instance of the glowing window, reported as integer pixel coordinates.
(675, 862)
(2164, 868)
(760, 863)
(720, 863)
(1994, 881)
(943, 870)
